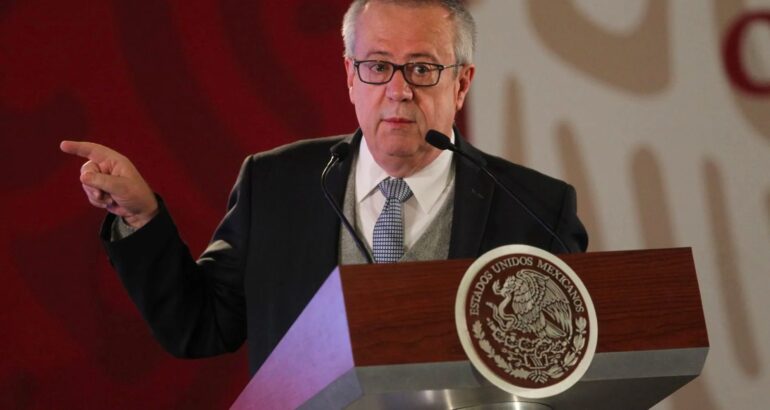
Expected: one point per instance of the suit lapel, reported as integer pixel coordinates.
(472, 202)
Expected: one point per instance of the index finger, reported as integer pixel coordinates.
(94, 152)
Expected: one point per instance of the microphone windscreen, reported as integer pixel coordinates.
(438, 140)
(340, 150)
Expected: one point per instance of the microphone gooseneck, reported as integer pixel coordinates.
(442, 142)
(339, 152)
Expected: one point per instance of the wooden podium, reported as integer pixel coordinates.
(384, 336)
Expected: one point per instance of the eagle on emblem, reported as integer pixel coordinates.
(532, 303)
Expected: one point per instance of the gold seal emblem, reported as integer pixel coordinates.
(526, 321)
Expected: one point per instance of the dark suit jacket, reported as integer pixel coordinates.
(279, 241)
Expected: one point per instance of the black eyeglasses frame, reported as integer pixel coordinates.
(401, 67)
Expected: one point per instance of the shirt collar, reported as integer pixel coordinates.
(426, 184)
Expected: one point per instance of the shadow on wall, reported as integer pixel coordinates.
(653, 208)
(731, 278)
(574, 165)
(513, 146)
(767, 203)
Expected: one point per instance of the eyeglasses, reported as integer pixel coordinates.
(419, 74)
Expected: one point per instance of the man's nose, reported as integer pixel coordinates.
(398, 88)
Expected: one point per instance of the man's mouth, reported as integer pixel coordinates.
(397, 120)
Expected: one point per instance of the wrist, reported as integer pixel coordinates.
(138, 220)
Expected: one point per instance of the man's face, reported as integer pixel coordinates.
(396, 116)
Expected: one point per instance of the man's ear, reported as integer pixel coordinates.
(350, 71)
(464, 84)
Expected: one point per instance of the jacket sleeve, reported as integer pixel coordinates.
(194, 308)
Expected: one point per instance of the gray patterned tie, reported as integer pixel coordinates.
(388, 241)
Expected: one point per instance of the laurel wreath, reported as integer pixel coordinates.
(556, 371)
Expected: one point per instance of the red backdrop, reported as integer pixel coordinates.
(184, 88)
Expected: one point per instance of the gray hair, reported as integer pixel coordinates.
(465, 27)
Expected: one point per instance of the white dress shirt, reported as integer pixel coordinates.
(430, 188)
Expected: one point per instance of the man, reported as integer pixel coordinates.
(409, 68)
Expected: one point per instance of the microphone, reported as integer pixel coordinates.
(442, 142)
(339, 152)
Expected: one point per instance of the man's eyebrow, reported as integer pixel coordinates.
(411, 57)
(377, 53)
(423, 56)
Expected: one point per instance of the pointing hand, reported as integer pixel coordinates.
(112, 182)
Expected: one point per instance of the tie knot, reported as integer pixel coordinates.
(395, 188)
